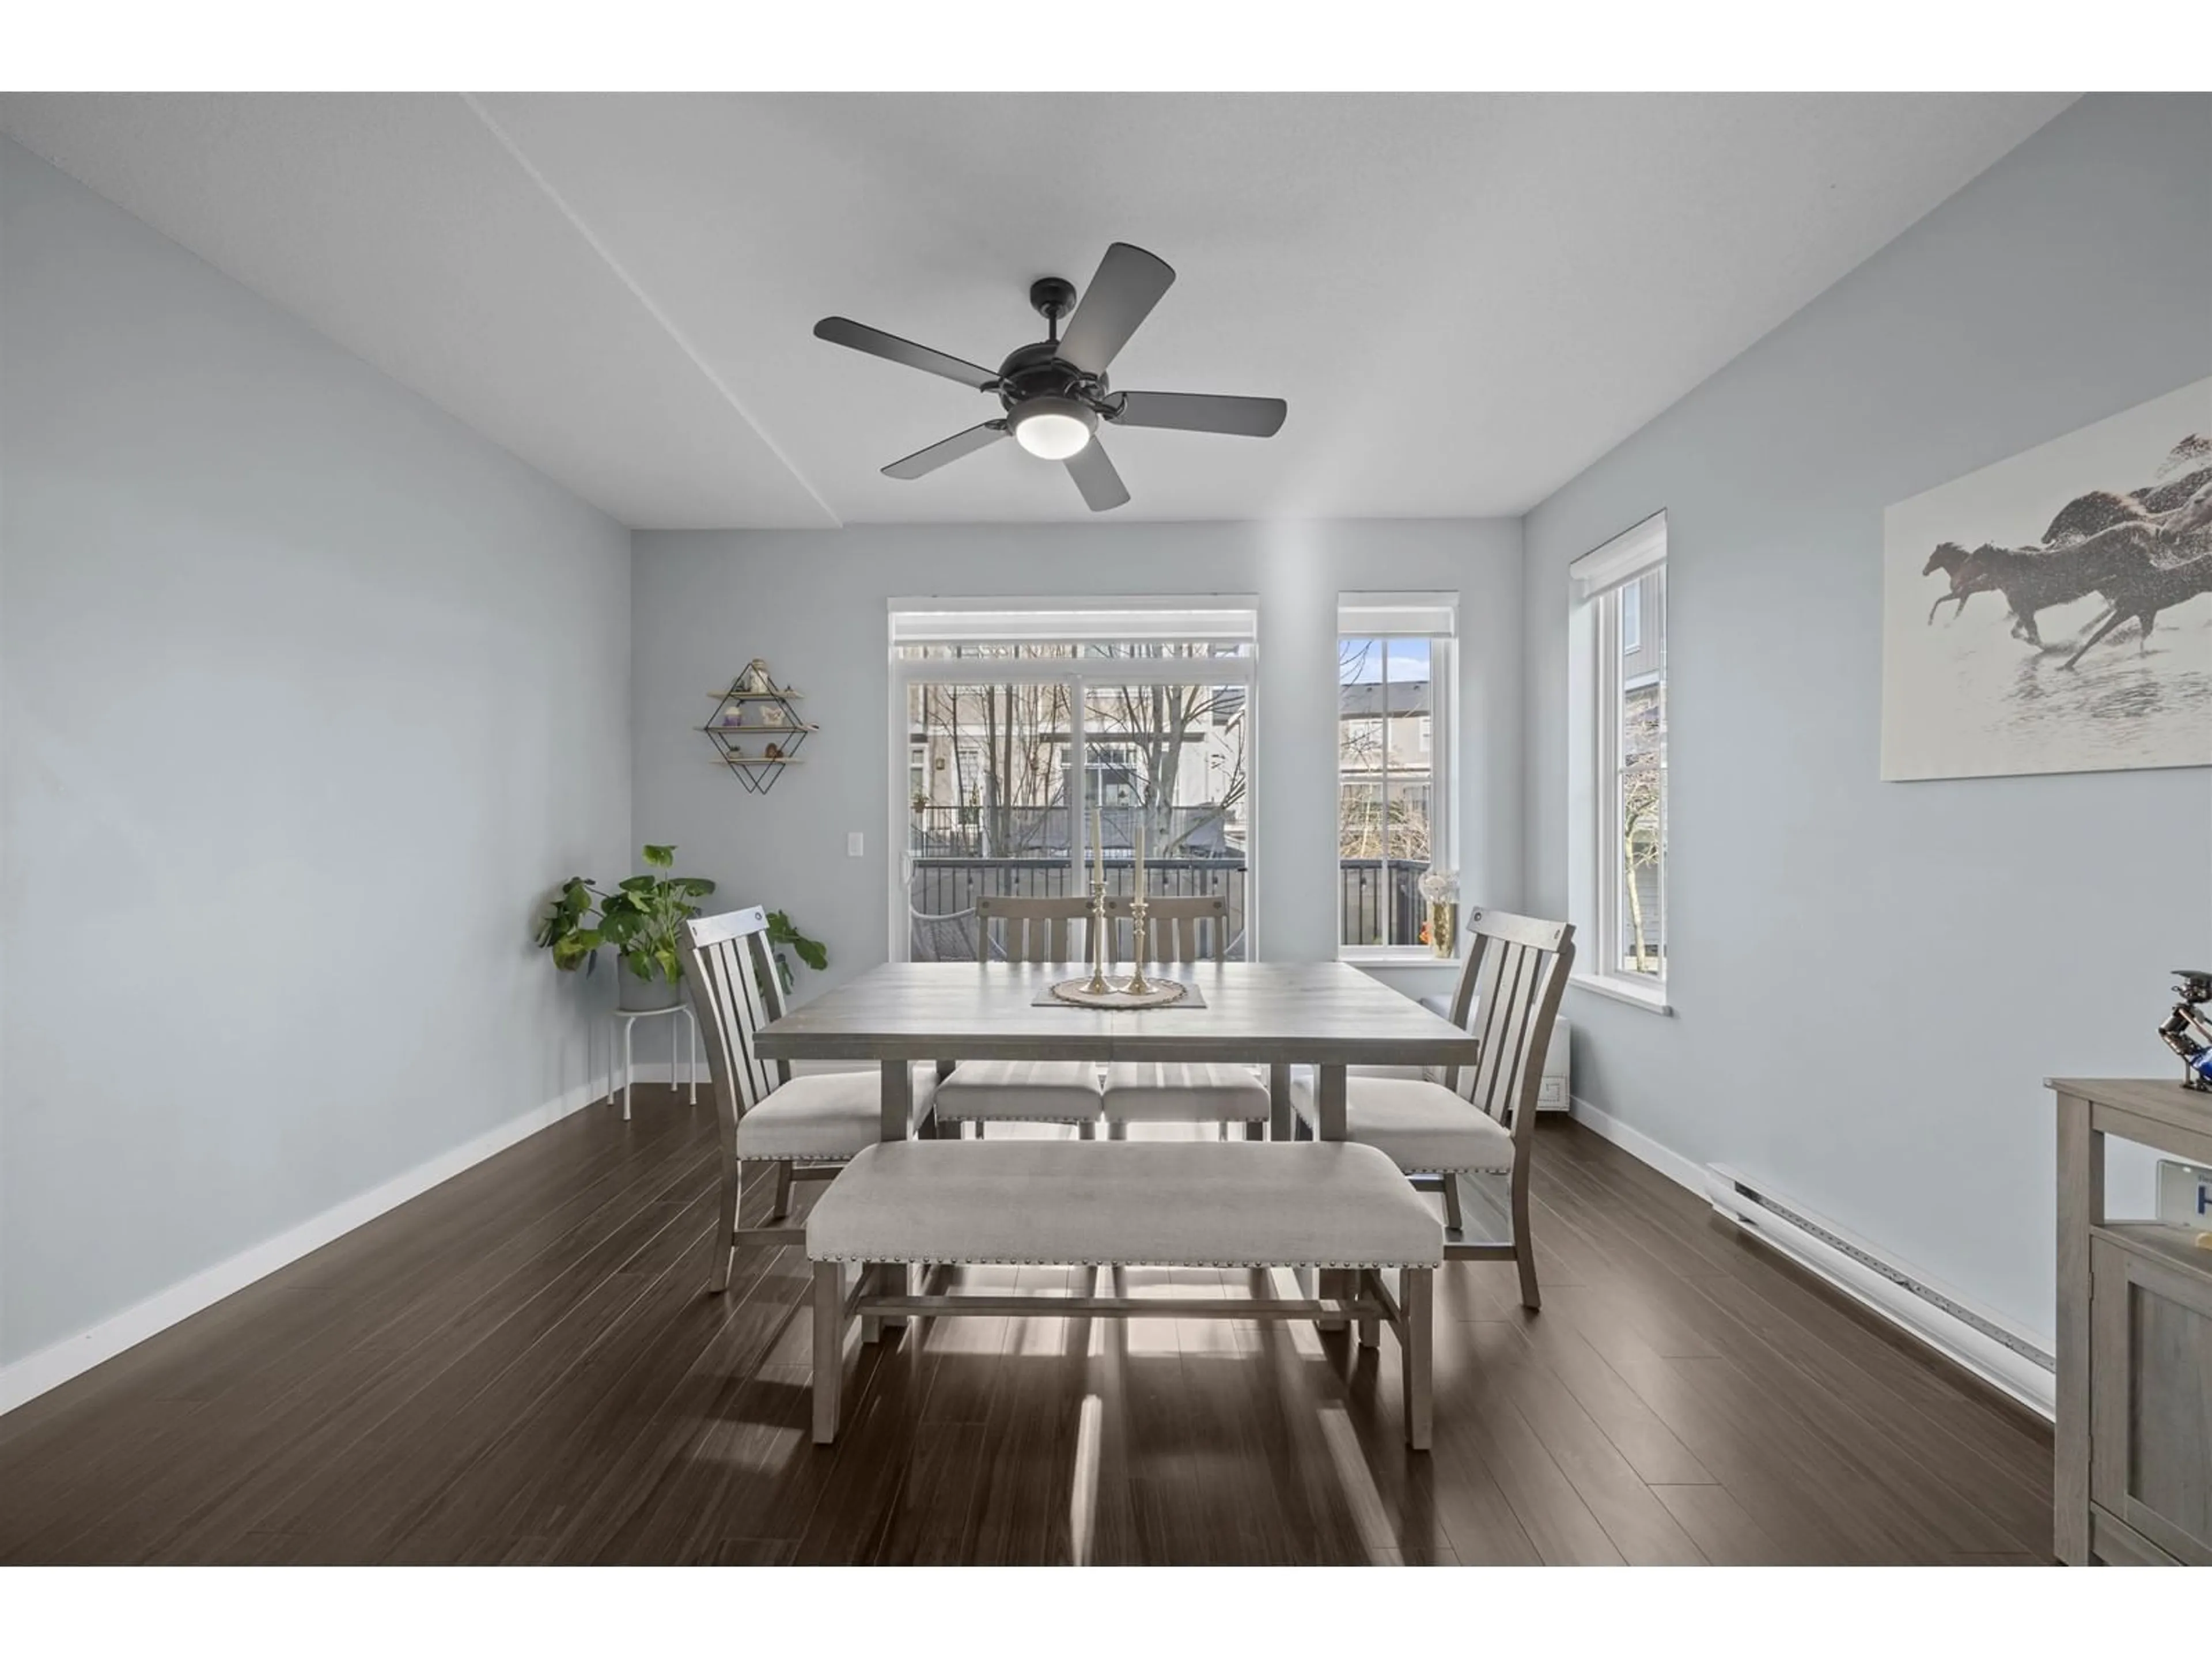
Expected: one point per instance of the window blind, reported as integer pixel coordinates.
(1621, 560)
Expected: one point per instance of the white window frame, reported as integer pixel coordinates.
(1193, 616)
(1433, 617)
(1632, 616)
(1595, 658)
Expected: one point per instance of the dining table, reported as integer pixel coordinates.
(1328, 1015)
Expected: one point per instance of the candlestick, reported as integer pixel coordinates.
(1098, 984)
(1138, 984)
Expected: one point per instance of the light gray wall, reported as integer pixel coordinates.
(306, 697)
(1871, 979)
(814, 604)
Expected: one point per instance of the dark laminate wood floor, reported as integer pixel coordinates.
(524, 1366)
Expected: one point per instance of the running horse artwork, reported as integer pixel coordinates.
(2092, 649)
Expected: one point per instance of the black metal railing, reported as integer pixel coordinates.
(943, 891)
(1370, 890)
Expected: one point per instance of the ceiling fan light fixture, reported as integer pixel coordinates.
(1053, 428)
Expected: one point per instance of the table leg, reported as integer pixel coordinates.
(1329, 1092)
(898, 1100)
(1279, 1103)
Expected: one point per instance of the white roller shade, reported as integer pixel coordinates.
(1621, 560)
(1212, 618)
(1380, 616)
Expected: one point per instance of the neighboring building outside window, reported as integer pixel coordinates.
(1619, 829)
(1394, 675)
(1044, 729)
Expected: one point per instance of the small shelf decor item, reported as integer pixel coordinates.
(1441, 889)
(756, 729)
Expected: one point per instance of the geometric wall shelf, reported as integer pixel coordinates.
(756, 730)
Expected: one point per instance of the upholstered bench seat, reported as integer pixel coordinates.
(1342, 1210)
(1179, 1204)
(824, 1116)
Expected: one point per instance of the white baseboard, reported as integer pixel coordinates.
(51, 1367)
(1640, 1146)
(1957, 1343)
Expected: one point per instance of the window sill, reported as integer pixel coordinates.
(1395, 955)
(1652, 998)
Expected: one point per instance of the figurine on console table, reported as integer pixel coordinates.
(2187, 1030)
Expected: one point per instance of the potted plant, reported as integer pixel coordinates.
(642, 919)
(811, 952)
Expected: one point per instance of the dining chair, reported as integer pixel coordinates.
(1481, 1120)
(806, 1126)
(1179, 931)
(985, 1092)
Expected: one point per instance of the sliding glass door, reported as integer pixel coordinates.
(1020, 754)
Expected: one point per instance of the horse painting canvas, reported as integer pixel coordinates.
(2052, 612)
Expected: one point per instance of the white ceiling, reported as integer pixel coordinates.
(1465, 299)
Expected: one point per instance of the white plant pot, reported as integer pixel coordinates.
(644, 995)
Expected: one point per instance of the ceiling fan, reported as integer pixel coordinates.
(1055, 393)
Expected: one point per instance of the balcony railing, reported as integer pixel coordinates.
(1369, 890)
(943, 890)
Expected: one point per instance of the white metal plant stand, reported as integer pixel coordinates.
(628, 1017)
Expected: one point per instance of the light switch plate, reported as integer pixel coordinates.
(854, 845)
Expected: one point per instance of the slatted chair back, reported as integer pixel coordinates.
(1030, 929)
(1514, 979)
(1180, 928)
(735, 990)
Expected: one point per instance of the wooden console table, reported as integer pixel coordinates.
(2133, 1485)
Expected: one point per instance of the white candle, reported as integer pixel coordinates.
(1097, 845)
(1140, 855)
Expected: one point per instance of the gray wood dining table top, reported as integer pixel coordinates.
(1308, 1013)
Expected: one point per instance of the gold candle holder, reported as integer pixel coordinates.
(1137, 985)
(1098, 985)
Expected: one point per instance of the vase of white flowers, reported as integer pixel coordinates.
(1441, 889)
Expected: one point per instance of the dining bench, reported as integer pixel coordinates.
(1341, 1209)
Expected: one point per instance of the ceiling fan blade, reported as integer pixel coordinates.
(1128, 285)
(844, 331)
(950, 449)
(1199, 411)
(1095, 476)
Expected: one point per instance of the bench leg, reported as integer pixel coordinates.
(1370, 1324)
(1331, 1286)
(829, 1347)
(1416, 1300)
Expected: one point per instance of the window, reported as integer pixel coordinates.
(1395, 659)
(1129, 722)
(1618, 816)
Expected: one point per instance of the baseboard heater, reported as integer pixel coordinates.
(1998, 1352)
